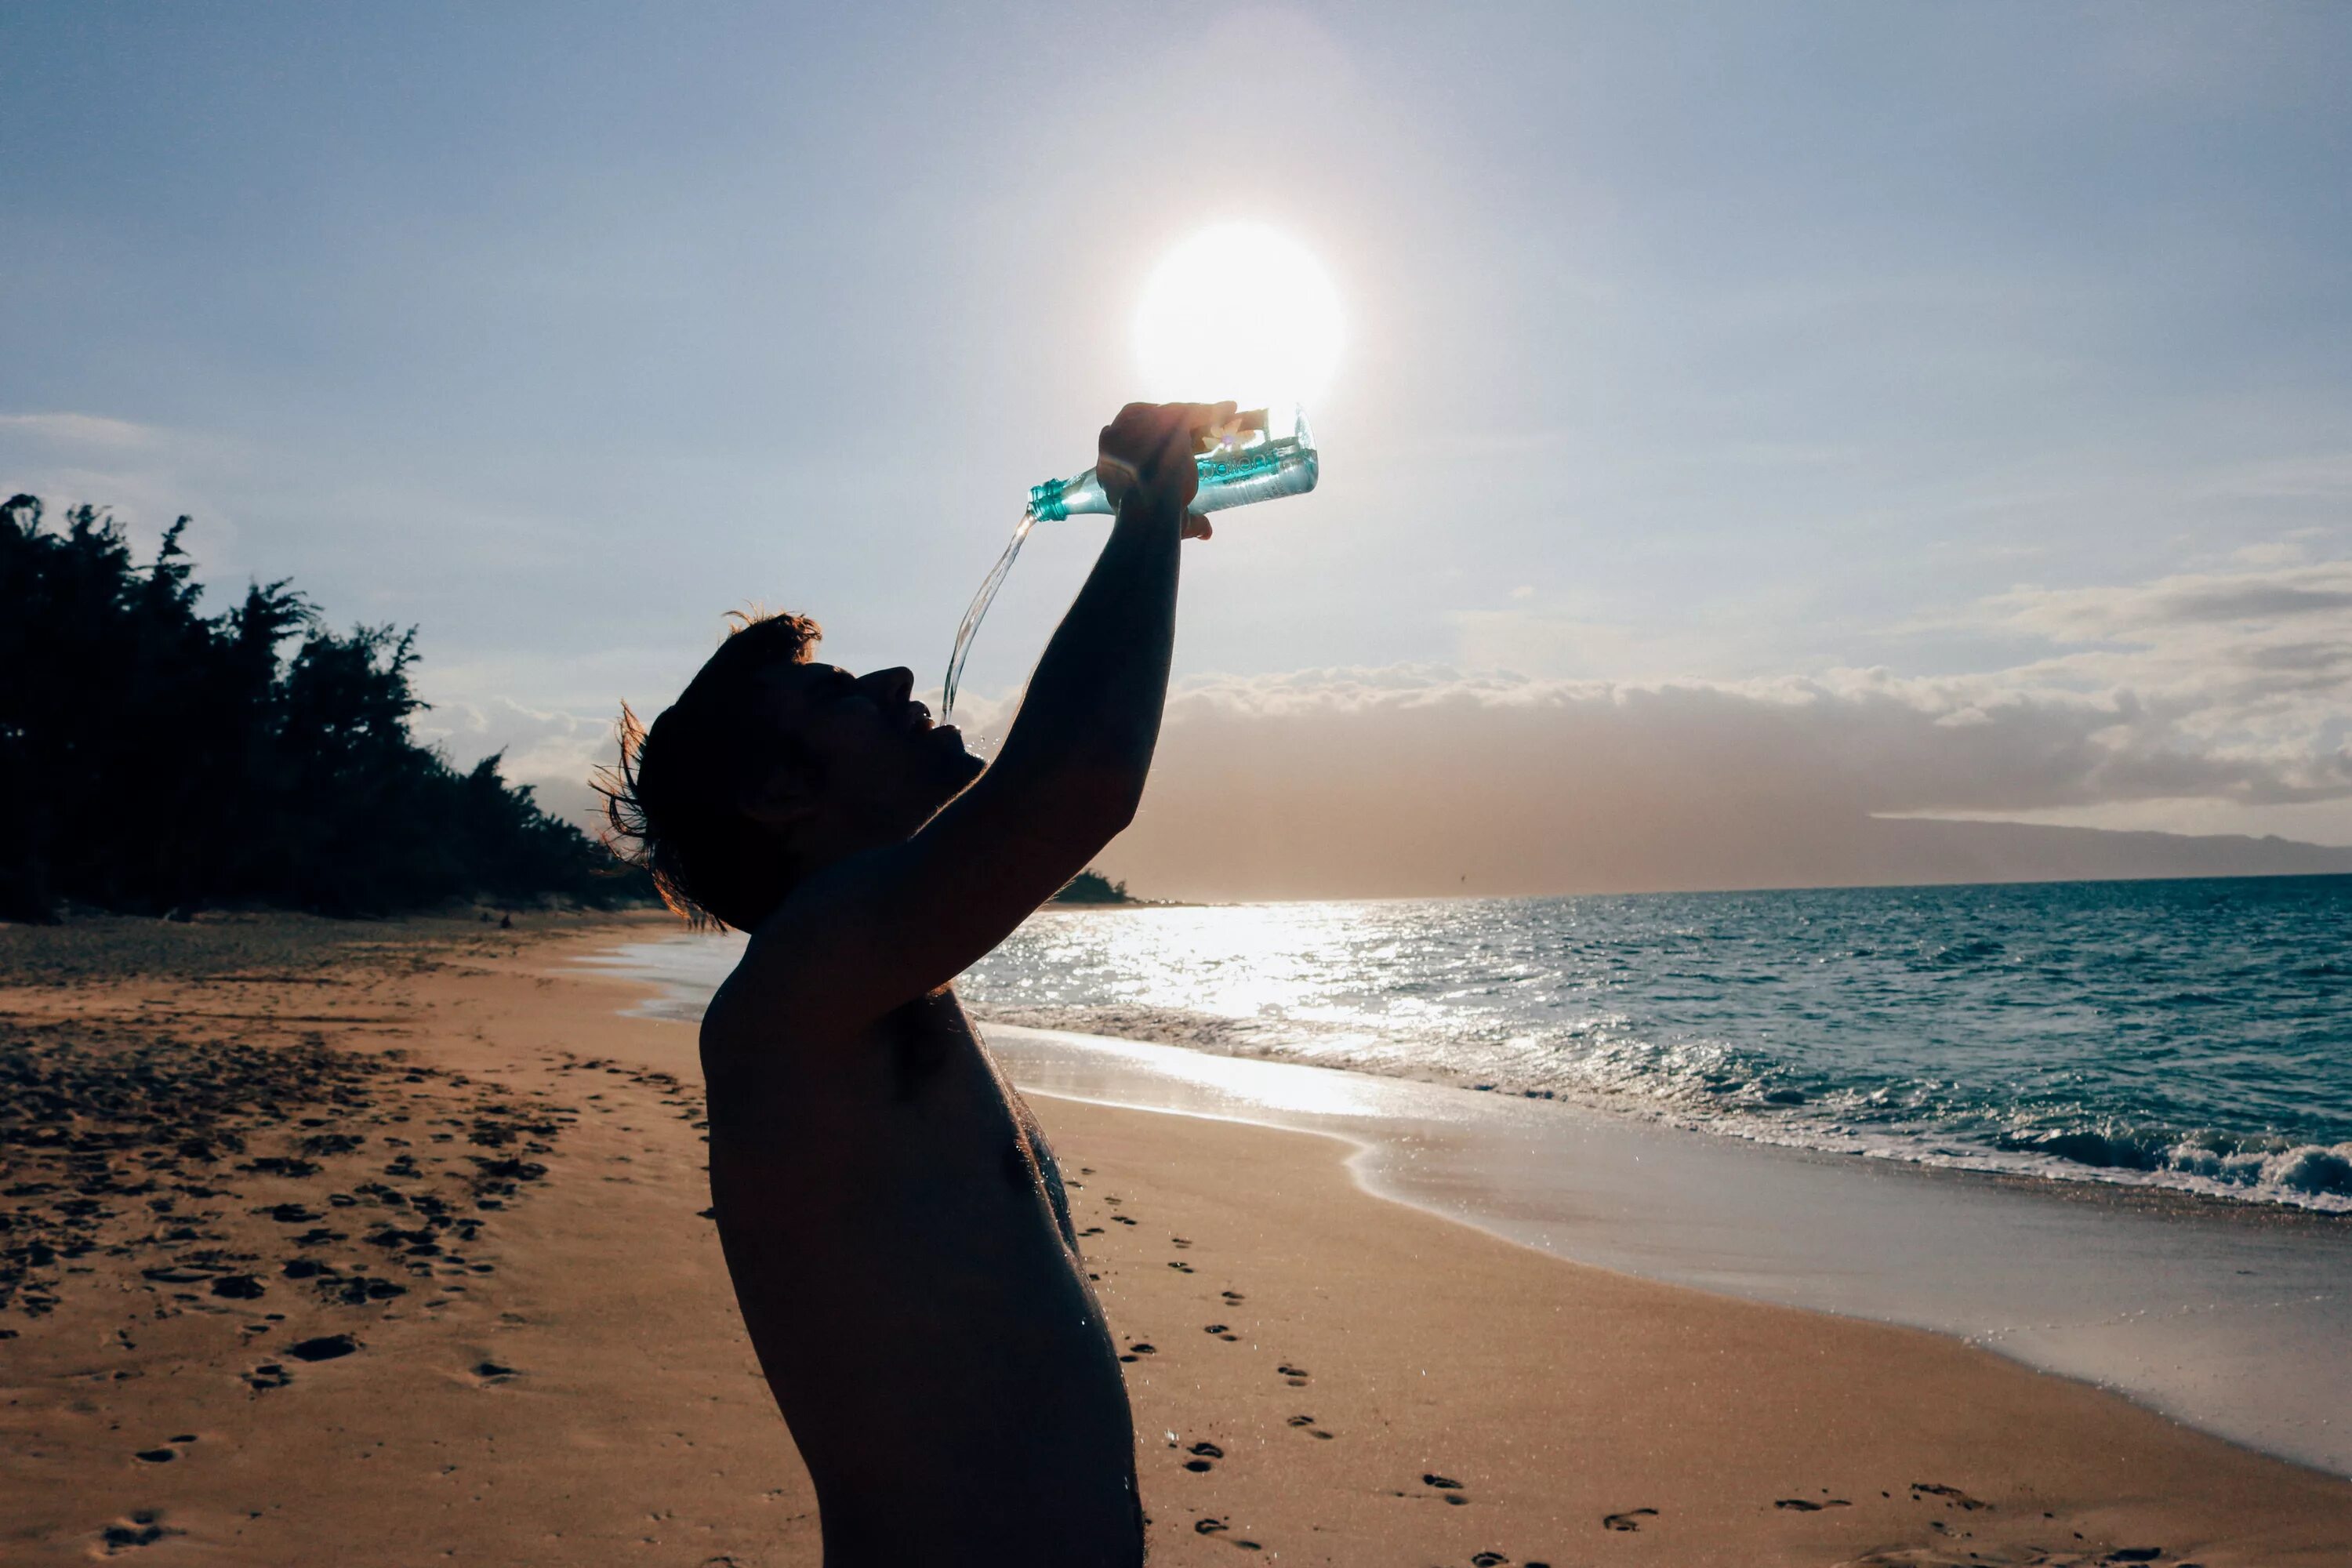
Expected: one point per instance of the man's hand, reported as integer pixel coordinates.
(1146, 451)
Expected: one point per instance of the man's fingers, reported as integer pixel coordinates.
(1153, 445)
(1197, 527)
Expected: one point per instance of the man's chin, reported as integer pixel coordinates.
(959, 766)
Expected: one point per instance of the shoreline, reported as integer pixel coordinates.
(2142, 1302)
(589, 1393)
(2138, 1290)
(2166, 1190)
(684, 975)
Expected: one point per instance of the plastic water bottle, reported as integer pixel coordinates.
(1246, 462)
(1251, 464)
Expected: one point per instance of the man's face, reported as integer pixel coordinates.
(877, 767)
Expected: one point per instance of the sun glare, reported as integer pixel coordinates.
(1238, 312)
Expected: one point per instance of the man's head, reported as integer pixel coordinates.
(768, 765)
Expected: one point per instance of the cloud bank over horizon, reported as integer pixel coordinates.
(2216, 702)
(2228, 688)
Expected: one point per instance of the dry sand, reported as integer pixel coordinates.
(223, 1152)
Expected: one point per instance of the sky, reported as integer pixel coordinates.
(1933, 410)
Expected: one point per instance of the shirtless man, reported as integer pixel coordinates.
(895, 1226)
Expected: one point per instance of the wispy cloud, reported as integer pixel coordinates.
(552, 751)
(80, 429)
(2262, 601)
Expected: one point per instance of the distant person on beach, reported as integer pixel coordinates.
(895, 1226)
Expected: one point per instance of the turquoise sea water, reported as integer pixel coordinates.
(2186, 1034)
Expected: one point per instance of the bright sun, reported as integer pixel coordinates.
(1238, 312)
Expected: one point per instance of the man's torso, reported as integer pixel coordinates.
(901, 1247)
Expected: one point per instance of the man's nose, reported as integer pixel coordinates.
(892, 688)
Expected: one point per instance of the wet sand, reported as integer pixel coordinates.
(392, 1251)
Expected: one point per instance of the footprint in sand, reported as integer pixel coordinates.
(1181, 1267)
(142, 1527)
(267, 1376)
(1220, 1329)
(1233, 1298)
(492, 1371)
(326, 1347)
(157, 1456)
(1296, 1374)
(1447, 1487)
(1801, 1505)
(1210, 1526)
(1953, 1496)
(1177, 1241)
(1122, 1219)
(1092, 1230)
(1630, 1520)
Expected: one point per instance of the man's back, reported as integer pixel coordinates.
(903, 1255)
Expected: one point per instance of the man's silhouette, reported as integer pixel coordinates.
(894, 1222)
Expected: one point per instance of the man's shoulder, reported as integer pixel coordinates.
(751, 1036)
(784, 991)
(848, 947)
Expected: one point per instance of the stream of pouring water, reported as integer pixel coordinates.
(1239, 463)
(978, 610)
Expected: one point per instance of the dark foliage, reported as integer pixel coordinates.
(152, 758)
(1091, 887)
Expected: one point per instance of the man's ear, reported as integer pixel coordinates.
(782, 801)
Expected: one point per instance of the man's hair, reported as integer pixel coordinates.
(674, 798)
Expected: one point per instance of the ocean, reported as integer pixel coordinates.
(2186, 1034)
(2194, 1035)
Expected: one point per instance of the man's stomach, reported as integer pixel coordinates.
(935, 1349)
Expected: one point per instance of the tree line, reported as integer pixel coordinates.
(155, 758)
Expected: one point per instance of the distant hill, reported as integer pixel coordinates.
(1091, 887)
(1257, 848)
(1917, 850)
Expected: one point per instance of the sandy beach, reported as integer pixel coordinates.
(384, 1245)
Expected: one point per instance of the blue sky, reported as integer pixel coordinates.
(1997, 356)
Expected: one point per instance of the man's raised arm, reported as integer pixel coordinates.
(878, 929)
